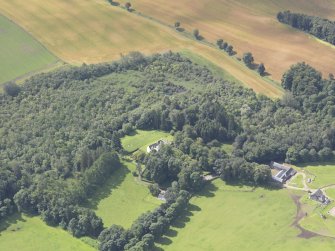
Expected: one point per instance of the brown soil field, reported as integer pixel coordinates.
(252, 26)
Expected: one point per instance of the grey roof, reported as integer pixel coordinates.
(318, 193)
(280, 166)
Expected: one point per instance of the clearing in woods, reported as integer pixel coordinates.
(20, 53)
(123, 198)
(251, 26)
(140, 139)
(236, 218)
(20, 232)
(94, 31)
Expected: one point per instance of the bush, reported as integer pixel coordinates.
(154, 189)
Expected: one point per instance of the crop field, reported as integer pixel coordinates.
(94, 31)
(122, 199)
(233, 218)
(251, 26)
(141, 139)
(25, 233)
(20, 53)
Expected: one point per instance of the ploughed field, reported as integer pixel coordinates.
(251, 26)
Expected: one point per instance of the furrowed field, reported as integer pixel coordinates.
(20, 53)
(94, 31)
(236, 218)
(251, 26)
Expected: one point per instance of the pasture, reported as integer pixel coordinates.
(25, 233)
(227, 217)
(122, 198)
(94, 31)
(20, 53)
(251, 26)
(323, 174)
(141, 139)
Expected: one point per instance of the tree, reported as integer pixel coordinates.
(196, 34)
(11, 89)
(261, 69)
(219, 43)
(128, 6)
(248, 59)
(177, 25)
(154, 189)
(230, 49)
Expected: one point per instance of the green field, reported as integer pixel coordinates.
(141, 139)
(297, 181)
(324, 174)
(224, 218)
(122, 199)
(20, 53)
(23, 233)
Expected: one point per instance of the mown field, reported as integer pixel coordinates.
(233, 218)
(20, 53)
(251, 26)
(25, 233)
(94, 31)
(122, 199)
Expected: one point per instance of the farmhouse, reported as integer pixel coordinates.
(280, 172)
(156, 146)
(319, 196)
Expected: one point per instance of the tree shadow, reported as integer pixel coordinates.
(171, 233)
(114, 3)
(180, 29)
(106, 189)
(233, 53)
(208, 190)
(266, 74)
(164, 240)
(10, 220)
(199, 38)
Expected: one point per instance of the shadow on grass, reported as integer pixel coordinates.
(208, 190)
(106, 189)
(10, 220)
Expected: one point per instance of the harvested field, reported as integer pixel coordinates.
(252, 26)
(94, 31)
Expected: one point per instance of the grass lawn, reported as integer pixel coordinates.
(122, 199)
(224, 218)
(324, 174)
(20, 53)
(297, 181)
(23, 233)
(141, 139)
(331, 193)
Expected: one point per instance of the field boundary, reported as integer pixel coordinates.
(188, 35)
